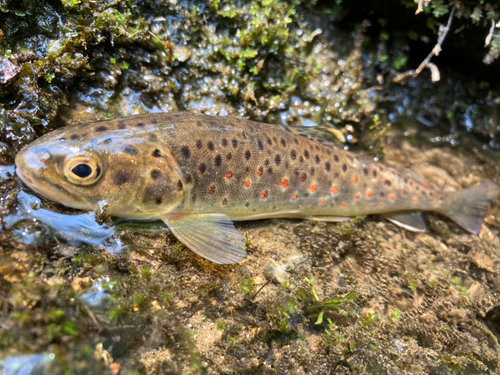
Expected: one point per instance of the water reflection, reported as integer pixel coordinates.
(73, 229)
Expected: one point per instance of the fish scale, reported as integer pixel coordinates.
(200, 173)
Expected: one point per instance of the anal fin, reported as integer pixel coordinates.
(333, 219)
(412, 221)
(212, 236)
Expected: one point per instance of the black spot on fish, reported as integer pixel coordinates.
(155, 173)
(382, 194)
(301, 159)
(101, 128)
(185, 152)
(156, 153)
(350, 158)
(344, 167)
(317, 159)
(158, 201)
(210, 145)
(224, 142)
(374, 173)
(311, 170)
(188, 179)
(244, 134)
(336, 158)
(199, 144)
(270, 170)
(229, 156)
(107, 141)
(247, 204)
(296, 141)
(248, 154)
(306, 154)
(122, 125)
(277, 159)
(260, 144)
(180, 185)
(153, 137)
(387, 182)
(327, 167)
(202, 168)
(266, 162)
(140, 124)
(303, 177)
(283, 143)
(154, 121)
(198, 123)
(74, 137)
(121, 177)
(131, 150)
(293, 155)
(235, 143)
(269, 142)
(218, 161)
(365, 171)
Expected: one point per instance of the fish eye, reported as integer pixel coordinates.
(82, 169)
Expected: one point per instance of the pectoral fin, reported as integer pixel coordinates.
(212, 236)
(412, 221)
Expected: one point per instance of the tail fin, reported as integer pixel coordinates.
(468, 206)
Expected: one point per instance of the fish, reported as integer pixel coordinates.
(201, 173)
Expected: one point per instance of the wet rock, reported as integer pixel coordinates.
(8, 71)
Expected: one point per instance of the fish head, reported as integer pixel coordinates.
(118, 170)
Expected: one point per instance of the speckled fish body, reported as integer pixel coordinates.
(199, 173)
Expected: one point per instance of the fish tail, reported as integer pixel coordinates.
(467, 207)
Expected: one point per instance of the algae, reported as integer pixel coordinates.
(358, 297)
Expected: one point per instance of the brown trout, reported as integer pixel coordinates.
(200, 173)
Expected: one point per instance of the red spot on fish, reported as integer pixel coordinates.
(334, 190)
(342, 204)
(434, 202)
(302, 177)
(321, 201)
(414, 200)
(229, 175)
(381, 205)
(403, 191)
(369, 194)
(391, 197)
(211, 189)
(259, 171)
(313, 187)
(355, 179)
(284, 183)
(246, 183)
(224, 201)
(449, 203)
(236, 208)
(263, 194)
(293, 197)
(357, 196)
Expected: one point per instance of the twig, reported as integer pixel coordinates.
(490, 34)
(437, 47)
(420, 7)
